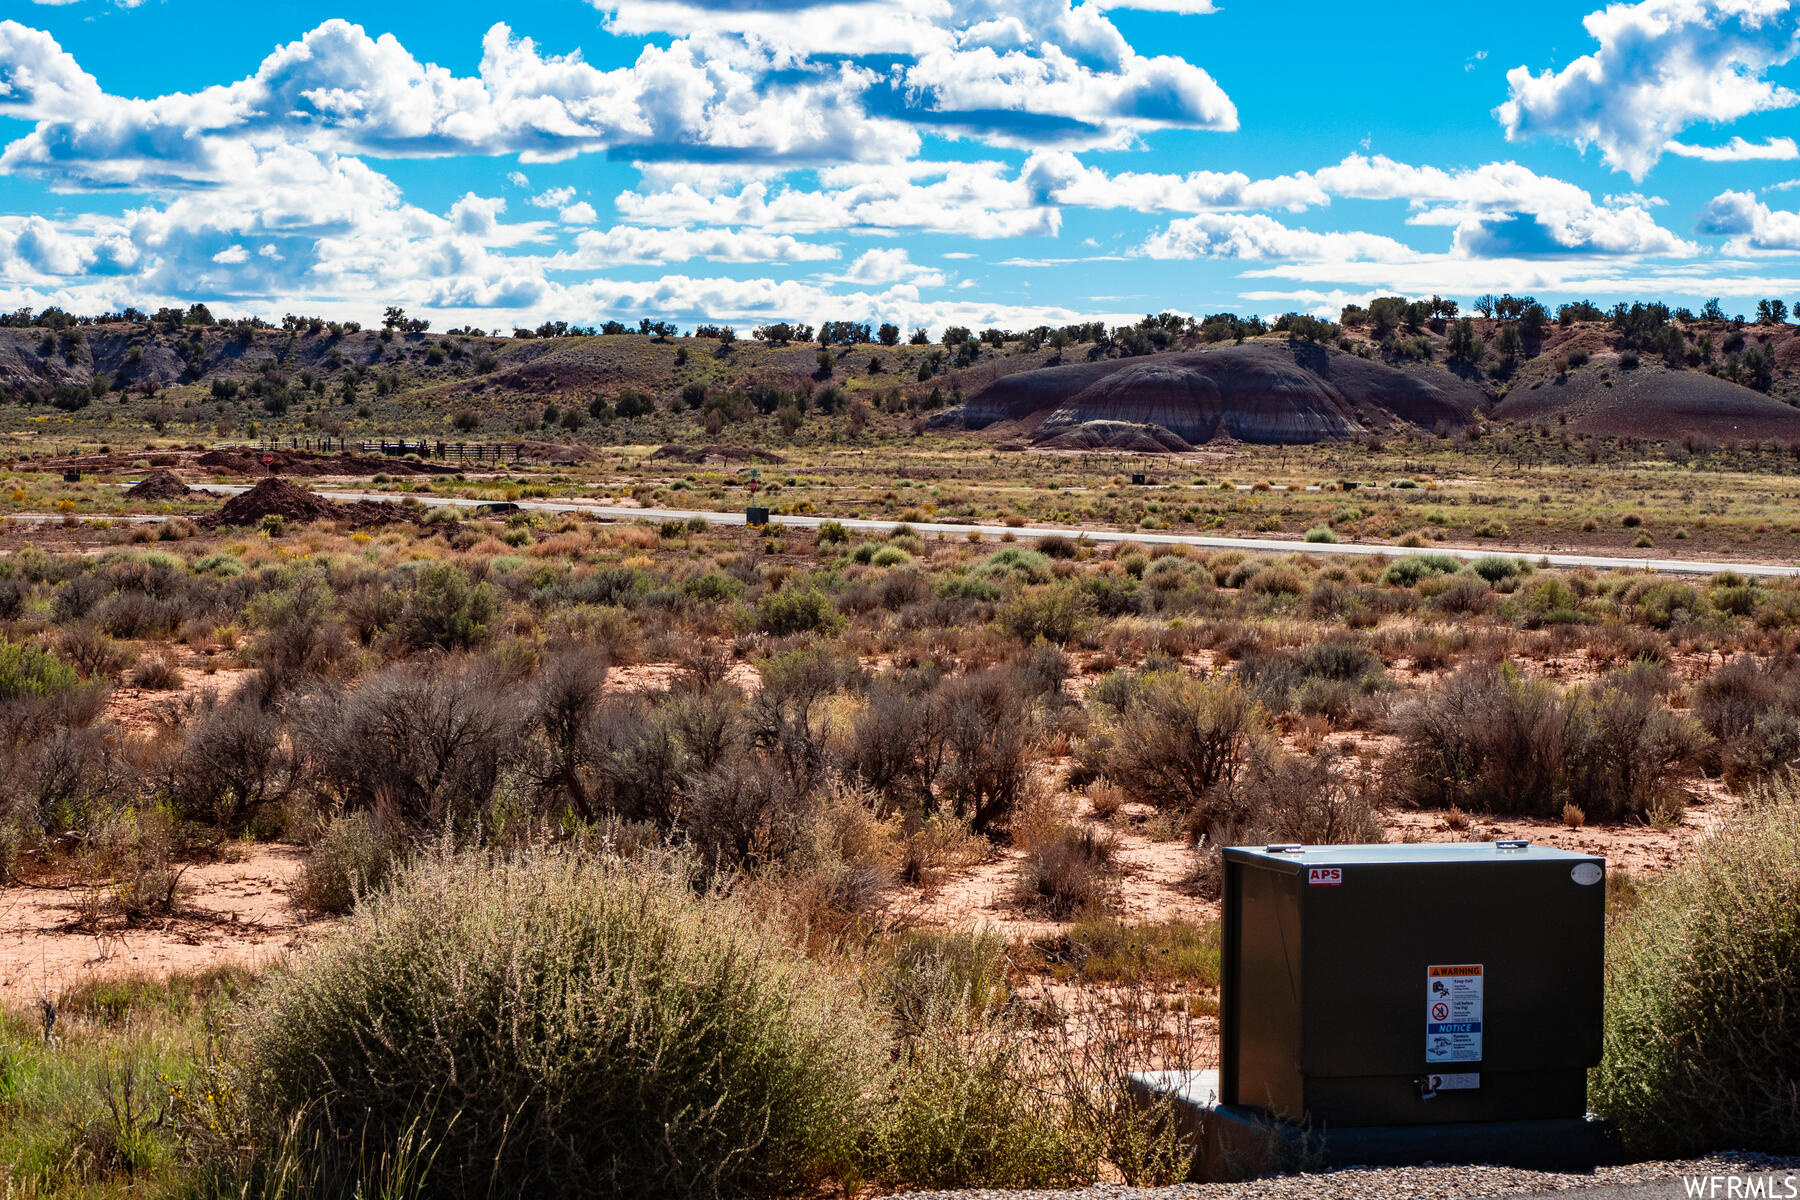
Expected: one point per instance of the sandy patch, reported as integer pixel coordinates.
(140, 709)
(648, 678)
(231, 912)
(1149, 888)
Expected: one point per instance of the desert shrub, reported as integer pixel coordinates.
(1055, 545)
(1485, 738)
(157, 673)
(1056, 613)
(1628, 752)
(890, 556)
(967, 1108)
(898, 743)
(1492, 740)
(233, 763)
(789, 716)
(137, 615)
(988, 737)
(1321, 534)
(445, 610)
(1703, 996)
(614, 586)
(967, 587)
(1665, 605)
(1327, 679)
(898, 589)
(1177, 741)
(1070, 873)
(557, 1027)
(1550, 602)
(1752, 712)
(968, 966)
(95, 654)
(427, 743)
(1414, 567)
(13, 594)
(1114, 690)
(1464, 592)
(796, 609)
(1275, 581)
(28, 671)
(831, 533)
(353, 857)
(299, 635)
(713, 587)
(745, 811)
(563, 700)
(1114, 595)
(1496, 567)
(1108, 950)
(1013, 562)
(1311, 799)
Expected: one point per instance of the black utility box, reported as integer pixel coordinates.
(756, 516)
(1411, 984)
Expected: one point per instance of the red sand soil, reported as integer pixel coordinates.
(232, 912)
(138, 710)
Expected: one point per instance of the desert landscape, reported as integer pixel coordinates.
(857, 600)
(254, 685)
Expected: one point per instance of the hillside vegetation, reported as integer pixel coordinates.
(1637, 371)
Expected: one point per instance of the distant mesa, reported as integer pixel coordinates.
(1264, 392)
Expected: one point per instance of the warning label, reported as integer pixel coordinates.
(1453, 1013)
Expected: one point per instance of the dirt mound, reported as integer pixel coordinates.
(701, 454)
(279, 498)
(1651, 401)
(556, 452)
(1115, 435)
(306, 463)
(1263, 392)
(159, 485)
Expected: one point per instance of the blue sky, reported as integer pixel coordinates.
(999, 162)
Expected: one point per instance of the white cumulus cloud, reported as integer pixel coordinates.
(1662, 66)
(1750, 224)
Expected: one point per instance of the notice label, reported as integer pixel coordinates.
(1324, 876)
(1453, 1014)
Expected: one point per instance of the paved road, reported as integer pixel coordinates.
(1671, 566)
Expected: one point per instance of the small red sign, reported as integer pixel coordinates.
(1324, 876)
(268, 460)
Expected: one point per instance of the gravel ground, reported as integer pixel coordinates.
(1648, 1180)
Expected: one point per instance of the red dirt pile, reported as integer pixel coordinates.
(279, 498)
(306, 463)
(160, 485)
(724, 454)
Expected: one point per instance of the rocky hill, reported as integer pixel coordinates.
(1268, 391)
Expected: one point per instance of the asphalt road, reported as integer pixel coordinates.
(1670, 566)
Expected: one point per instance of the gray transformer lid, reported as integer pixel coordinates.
(1293, 860)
